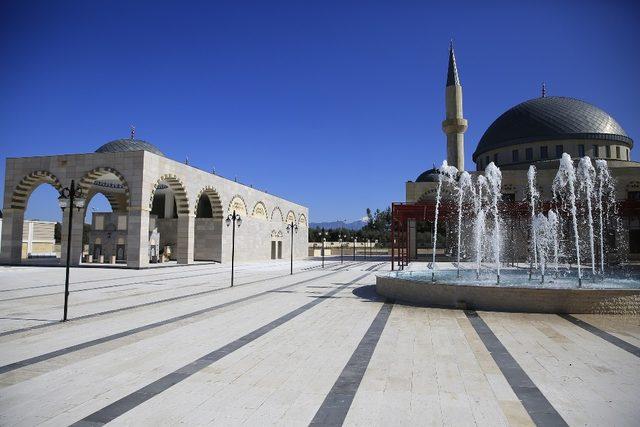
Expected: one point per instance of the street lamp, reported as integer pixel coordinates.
(340, 237)
(233, 218)
(323, 236)
(355, 241)
(70, 197)
(292, 228)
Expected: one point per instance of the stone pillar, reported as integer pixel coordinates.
(185, 239)
(12, 224)
(76, 236)
(412, 239)
(138, 237)
(169, 200)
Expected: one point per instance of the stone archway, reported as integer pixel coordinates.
(208, 226)
(13, 215)
(176, 233)
(108, 228)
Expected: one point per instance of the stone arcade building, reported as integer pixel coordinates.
(149, 193)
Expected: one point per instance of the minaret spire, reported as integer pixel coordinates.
(454, 125)
(544, 90)
(452, 73)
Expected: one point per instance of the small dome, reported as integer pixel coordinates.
(551, 118)
(431, 175)
(120, 145)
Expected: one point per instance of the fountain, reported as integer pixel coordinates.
(564, 182)
(533, 196)
(583, 196)
(446, 174)
(464, 185)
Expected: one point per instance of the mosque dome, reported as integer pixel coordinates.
(551, 119)
(430, 175)
(120, 145)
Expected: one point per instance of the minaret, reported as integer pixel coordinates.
(454, 125)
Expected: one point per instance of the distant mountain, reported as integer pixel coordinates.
(336, 225)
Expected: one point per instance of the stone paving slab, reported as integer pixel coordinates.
(428, 366)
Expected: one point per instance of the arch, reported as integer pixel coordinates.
(276, 211)
(119, 202)
(259, 211)
(27, 184)
(214, 199)
(302, 220)
(237, 204)
(179, 192)
(291, 217)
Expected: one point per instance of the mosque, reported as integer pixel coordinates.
(534, 132)
(162, 210)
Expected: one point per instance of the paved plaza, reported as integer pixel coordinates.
(178, 346)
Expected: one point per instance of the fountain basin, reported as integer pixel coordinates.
(528, 299)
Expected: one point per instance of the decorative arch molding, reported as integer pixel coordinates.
(179, 192)
(214, 199)
(302, 220)
(276, 215)
(27, 184)
(291, 217)
(118, 204)
(260, 211)
(237, 204)
(276, 234)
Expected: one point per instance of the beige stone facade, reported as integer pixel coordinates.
(130, 180)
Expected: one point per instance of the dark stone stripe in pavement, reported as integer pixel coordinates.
(37, 359)
(125, 404)
(145, 304)
(336, 404)
(602, 334)
(539, 408)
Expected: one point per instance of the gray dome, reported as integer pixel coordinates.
(431, 175)
(551, 118)
(120, 145)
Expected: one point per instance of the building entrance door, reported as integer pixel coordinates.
(280, 250)
(273, 249)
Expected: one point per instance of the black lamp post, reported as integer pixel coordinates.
(355, 242)
(323, 237)
(292, 228)
(70, 197)
(340, 240)
(233, 219)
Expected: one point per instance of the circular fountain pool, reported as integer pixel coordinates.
(514, 293)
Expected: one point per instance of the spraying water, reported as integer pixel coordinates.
(554, 225)
(494, 180)
(446, 173)
(564, 181)
(533, 195)
(605, 184)
(479, 226)
(464, 185)
(586, 175)
(540, 226)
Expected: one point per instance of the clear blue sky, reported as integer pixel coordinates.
(331, 104)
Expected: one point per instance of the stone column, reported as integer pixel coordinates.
(138, 237)
(412, 239)
(76, 236)
(185, 239)
(12, 224)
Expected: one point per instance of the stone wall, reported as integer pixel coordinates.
(496, 298)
